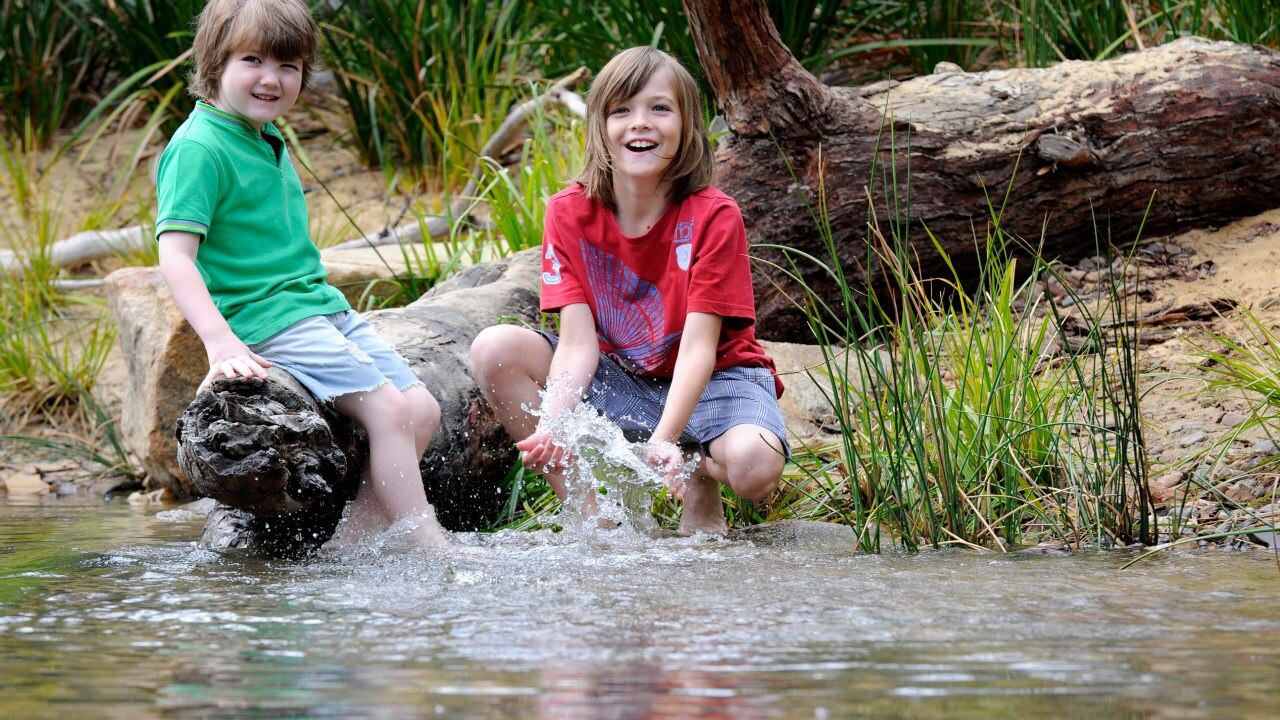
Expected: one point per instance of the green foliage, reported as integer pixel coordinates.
(1247, 366)
(426, 83)
(955, 427)
(589, 34)
(1250, 21)
(1080, 30)
(517, 195)
(47, 60)
(54, 346)
(148, 42)
(943, 30)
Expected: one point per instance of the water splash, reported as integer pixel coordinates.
(604, 468)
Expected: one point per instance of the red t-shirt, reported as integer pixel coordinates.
(694, 259)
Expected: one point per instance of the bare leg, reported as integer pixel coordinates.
(511, 365)
(747, 458)
(365, 516)
(399, 426)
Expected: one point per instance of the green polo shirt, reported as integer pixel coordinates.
(233, 185)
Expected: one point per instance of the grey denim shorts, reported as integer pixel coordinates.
(335, 355)
(733, 396)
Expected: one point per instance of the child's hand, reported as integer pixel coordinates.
(669, 461)
(540, 452)
(232, 358)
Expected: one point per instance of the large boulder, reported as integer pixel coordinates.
(164, 362)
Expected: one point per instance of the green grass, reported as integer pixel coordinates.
(54, 345)
(956, 427)
(48, 63)
(148, 42)
(517, 196)
(426, 83)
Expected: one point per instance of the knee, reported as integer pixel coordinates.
(754, 471)
(425, 412)
(488, 352)
(390, 411)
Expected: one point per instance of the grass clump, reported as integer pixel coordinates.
(55, 344)
(426, 83)
(960, 421)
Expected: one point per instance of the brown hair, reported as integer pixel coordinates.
(281, 29)
(693, 167)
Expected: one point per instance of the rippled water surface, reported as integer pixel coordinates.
(112, 612)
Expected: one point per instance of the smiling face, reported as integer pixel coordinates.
(257, 87)
(644, 132)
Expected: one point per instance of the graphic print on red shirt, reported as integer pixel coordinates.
(640, 290)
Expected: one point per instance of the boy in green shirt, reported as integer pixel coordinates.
(236, 254)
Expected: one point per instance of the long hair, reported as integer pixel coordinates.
(281, 29)
(693, 167)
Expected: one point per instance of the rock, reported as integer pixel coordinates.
(1163, 487)
(201, 507)
(1245, 491)
(165, 362)
(24, 483)
(1192, 439)
(798, 533)
(1232, 418)
(808, 414)
(159, 496)
(1268, 538)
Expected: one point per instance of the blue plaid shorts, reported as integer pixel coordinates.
(733, 396)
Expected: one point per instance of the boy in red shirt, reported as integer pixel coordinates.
(646, 264)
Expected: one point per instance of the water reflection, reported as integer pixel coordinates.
(111, 613)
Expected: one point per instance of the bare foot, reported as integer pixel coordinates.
(422, 532)
(703, 511)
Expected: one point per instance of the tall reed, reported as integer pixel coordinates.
(1250, 21)
(517, 196)
(426, 83)
(148, 43)
(956, 426)
(47, 58)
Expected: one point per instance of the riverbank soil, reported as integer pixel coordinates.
(1188, 286)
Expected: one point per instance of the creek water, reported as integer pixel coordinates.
(109, 611)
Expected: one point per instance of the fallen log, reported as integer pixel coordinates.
(283, 468)
(1069, 156)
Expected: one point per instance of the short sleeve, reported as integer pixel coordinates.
(720, 275)
(187, 188)
(560, 283)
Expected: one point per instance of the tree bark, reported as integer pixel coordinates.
(283, 467)
(1068, 157)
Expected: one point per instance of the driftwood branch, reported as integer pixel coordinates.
(82, 248)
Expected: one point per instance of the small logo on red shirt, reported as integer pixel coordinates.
(553, 277)
(682, 240)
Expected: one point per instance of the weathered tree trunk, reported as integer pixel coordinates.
(1073, 153)
(284, 468)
